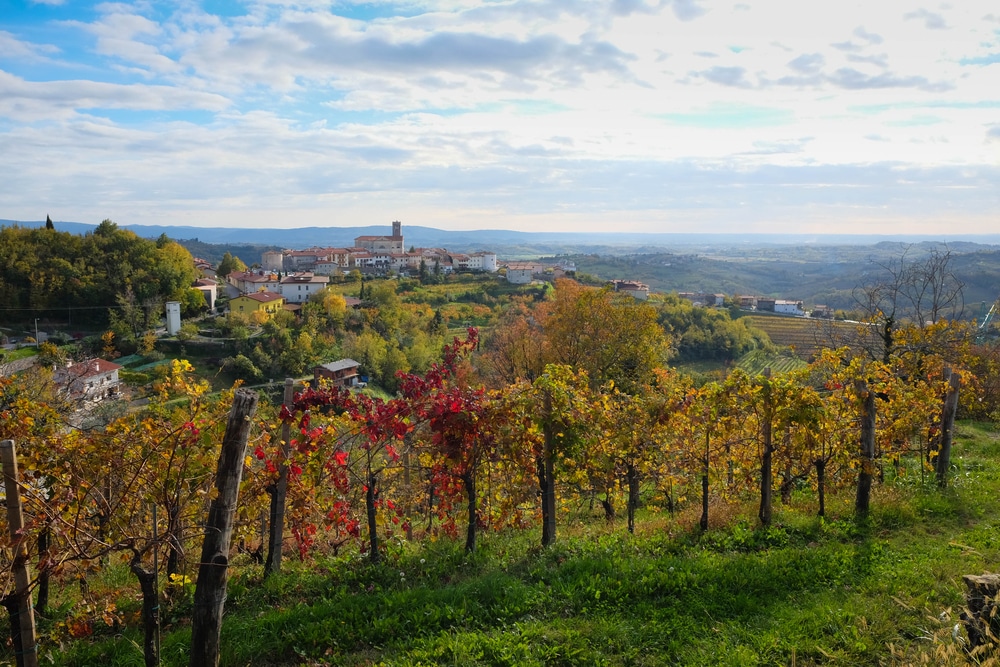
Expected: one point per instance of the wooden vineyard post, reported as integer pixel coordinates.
(943, 462)
(867, 459)
(279, 490)
(18, 603)
(767, 454)
(213, 569)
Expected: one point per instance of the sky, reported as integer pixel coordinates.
(776, 116)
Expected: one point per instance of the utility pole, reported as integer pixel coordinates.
(36, 332)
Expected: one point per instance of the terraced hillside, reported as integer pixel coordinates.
(804, 335)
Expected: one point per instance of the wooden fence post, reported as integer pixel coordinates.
(18, 603)
(279, 490)
(767, 452)
(948, 411)
(867, 458)
(213, 569)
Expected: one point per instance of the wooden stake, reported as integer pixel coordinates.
(213, 570)
(278, 491)
(19, 602)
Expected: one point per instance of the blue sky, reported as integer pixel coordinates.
(639, 115)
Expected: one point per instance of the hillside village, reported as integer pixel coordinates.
(296, 275)
(290, 277)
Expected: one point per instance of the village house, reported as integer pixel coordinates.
(298, 287)
(703, 299)
(371, 261)
(342, 373)
(789, 307)
(766, 304)
(631, 287)
(204, 268)
(521, 273)
(246, 282)
(209, 289)
(822, 311)
(91, 380)
(264, 302)
(335, 262)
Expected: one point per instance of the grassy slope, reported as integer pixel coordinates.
(807, 591)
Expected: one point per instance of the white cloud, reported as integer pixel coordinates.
(30, 102)
(16, 49)
(647, 110)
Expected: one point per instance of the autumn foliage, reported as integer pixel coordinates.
(589, 415)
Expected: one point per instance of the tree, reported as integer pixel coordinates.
(243, 368)
(229, 264)
(50, 355)
(779, 403)
(129, 319)
(513, 351)
(48, 223)
(609, 335)
(906, 289)
(554, 414)
(456, 416)
(192, 301)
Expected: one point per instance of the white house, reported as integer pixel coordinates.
(92, 380)
(298, 287)
(789, 307)
(520, 273)
(633, 288)
(254, 281)
(483, 261)
(209, 289)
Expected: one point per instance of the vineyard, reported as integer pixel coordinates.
(805, 336)
(698, 522)
(754, 363)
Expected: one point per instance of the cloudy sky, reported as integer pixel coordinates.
(880, 116)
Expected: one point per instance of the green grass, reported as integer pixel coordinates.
(809, 590)
(19, 353)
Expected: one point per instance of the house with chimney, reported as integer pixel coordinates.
(92, 380)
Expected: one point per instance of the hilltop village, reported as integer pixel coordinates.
(296, 275)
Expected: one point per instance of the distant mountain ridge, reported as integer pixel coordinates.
(494, 239)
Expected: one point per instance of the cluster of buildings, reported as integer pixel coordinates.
(377, 255)
(288, 278)
(759, 303)
(523, 273)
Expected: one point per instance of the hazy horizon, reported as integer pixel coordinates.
(262, 236)
(673, 116)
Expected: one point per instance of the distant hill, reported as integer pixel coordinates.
(506, 243)
(814, 268)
